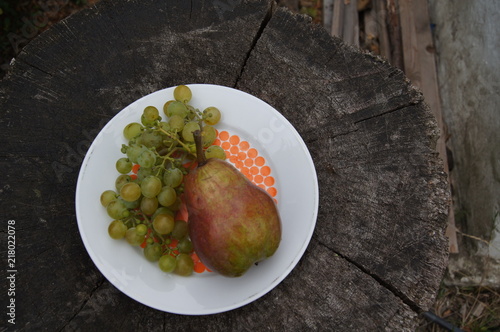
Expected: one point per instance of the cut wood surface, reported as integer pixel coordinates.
(400, 31)
(378, 252)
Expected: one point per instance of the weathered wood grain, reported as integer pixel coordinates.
(394, 27)
(383, 190)
(420, 67)
(380, 9)
(378, 252)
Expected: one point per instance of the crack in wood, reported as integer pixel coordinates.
(399, 294)
(312, 136)
(392, 110)
(84, 303)
(260, 31)
(20, 59)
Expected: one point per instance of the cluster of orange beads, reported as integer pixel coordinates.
(247, 160)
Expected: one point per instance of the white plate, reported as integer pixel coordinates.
(207, 293)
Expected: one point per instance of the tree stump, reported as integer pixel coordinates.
(378, 252)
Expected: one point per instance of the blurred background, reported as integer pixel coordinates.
(449, 50)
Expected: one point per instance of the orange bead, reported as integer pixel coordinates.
(135, 168)
(199, 267)
(260, 161)
(269, 181)
(224, 135)
(234, 149)
(252, 153)
(272, 191)
(195, 257)
(244, 145)
(242, 156)
(265, 170)
(234, 140)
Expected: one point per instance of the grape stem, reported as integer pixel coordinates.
(165, 158)
(200, 155)
(175, 138)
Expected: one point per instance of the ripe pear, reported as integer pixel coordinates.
(233, 224)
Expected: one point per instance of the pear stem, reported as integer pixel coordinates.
(200, 155)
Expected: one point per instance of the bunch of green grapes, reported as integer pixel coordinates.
(149, 186)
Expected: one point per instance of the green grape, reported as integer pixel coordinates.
(121, 180)
(108, 196)
(149, 205)
(150, 139)
(151, 113)
(163, 210)
(182, 93)
(176, 123)
(163, 223)
(117, 210)
(149, 116)
(130, 205)
(191, 148)
(180, 230)
(134, 151)
(185, 246)
(133, 238)
(141, 229)
(117, 229)
(208, 135)
(164, 126)
(193, 113)
(211, 115)
(167, 196)
(153, 252)
(143, 173)
(130, 192)
(177, 205)
(189, 128)
(147, 159)
(123, 165)
(132, 130)
(215, 151)
(167, 263)
(184, 265)
(165, 106)
(151, 186)
(173, 177)
(177, 108)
